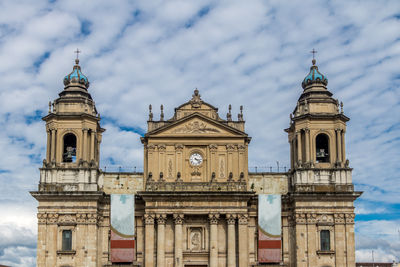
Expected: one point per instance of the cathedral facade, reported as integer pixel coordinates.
(196, 203)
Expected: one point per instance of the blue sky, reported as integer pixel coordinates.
(251, 53)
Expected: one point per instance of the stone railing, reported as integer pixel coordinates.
(196, 186)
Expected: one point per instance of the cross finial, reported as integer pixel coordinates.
(313, 51)
(77, 53)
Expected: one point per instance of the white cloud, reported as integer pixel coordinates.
(236, 52)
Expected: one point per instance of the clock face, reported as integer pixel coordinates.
(196, 159)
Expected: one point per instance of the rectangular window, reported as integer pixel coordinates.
(66, 240)
(325, 240)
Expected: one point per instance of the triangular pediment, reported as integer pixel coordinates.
(196, 124)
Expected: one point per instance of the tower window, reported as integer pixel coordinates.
(322, 147)
(325, 240)
(66, 240)
(69, 152)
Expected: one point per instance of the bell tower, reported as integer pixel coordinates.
(320, 180)
(73, 135)
(317, 135)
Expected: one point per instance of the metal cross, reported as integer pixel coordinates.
(77, 53)
(313, 53)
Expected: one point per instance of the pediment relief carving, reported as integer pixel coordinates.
(196, 127)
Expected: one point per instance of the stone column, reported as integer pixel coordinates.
(350, 243)
(231, 255)
(48, 146)
(92, 136)
(343, 147)
(340, 239)
(84, 144)
(243, 241)
(307, 139)
(53, 145)
(161, 220)
(149, 240)
(213, 218)
(339, 147)
(298, 137)
(178, 240)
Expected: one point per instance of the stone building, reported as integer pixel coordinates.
(196, 203)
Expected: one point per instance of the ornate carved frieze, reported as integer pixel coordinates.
(42, 218)
(179, 147)
(161, 218)
(81, 217)
(243, 219)
(339, 218)
(148, 218)
(67, 218)
(325, 218)
(213, 147)
(52, 218)
(350, 218)
(178, 218)
(151, 147)
(213, 218)
(231, 218)
(311, 218)
(241, 147)
(230, 147)
(91, 218)
(196, 127)
(300, 218)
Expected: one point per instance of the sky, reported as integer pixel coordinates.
(252, 53)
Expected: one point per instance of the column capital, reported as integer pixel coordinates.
(148, 218)
(231, 218)
(178, 218)
(213, 218)
(85, 129)
(349, 218)
(243, 219)
(339, 218)
(161, 218)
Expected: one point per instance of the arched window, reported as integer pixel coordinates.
(325, 240)
(69, 152)
(322, 148)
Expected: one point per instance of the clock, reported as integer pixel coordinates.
(195, 159)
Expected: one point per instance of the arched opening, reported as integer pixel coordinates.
(69, 151)
(322, 148)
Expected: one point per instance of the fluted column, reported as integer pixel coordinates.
(307, 139)
(298, 136)
(231, 257)
(48, 146)
(339, 147)
(178, 218)
(213, 218)
(343, 147)
(53, 145)
(149, 240)
(161, 220)
(92, 136)
(84, 144)
(243, 241)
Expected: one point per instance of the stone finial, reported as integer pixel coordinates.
(150, 113)
(196, 100)
(240, 115)
(230, 177)
(162, 113)
(341, 107)
(229, 114)
(150, 177)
